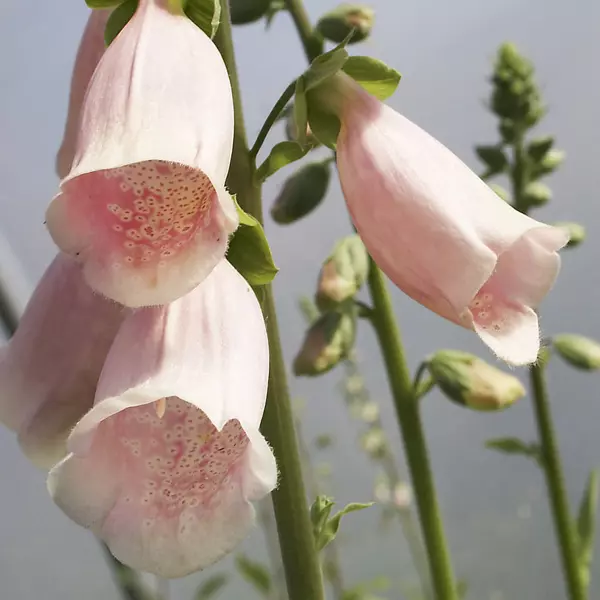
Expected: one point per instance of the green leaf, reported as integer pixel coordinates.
(332, 526)
(493, 157)
(248, 11)
(578, 351)
(281, 154)
(118, 19)
(325, 66)
(249, 251)
(300, 109)
(511, 445)
(373, 75)
(103, 3)
(206, 14)
(211, 587)
(254, 573)
(538, 147)
(302, 193)
(586, 526)
(319, 513)
(324, 125)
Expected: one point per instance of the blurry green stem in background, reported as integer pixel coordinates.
(407, 409)
(299, 555)
(555, 480)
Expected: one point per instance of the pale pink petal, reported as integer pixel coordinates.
(179, 485)
(436, 229)
(50, 368)
(89, 54)
(144, 207)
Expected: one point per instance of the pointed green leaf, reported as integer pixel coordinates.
(493, 157)
(511, 445)
(324, 126)
(281, 154)
(539, 147)
(325, 66)
(206, 14)
(211, 587)
(254, 573)
(586, 526)
(249, 251)
(118, 19)
(373, 75)
(332, 527)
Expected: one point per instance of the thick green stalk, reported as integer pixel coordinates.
(556, 485)
(555, 480)
(312, 42)
(415, 446)
(300, 558)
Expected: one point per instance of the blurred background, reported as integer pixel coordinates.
(494, 506)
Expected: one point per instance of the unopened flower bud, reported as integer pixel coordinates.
(537, 194)
(402, 496)
(337, 25)
(301, 193)
(468, 380)
(343, 273)
(575, 230)
(373, 442)
(551, 161)
(248, 11)
(580, 352)
(327, 342)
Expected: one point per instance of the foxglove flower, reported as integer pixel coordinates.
(437, 230)
(144, 206)
(164, 467)
(50, 367)
(91, 49)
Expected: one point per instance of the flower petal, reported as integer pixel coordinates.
(49, 370)
(182, 482)
(144, 207)
(433, 226)
(89, 54)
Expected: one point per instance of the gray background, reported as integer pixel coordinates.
(496, 515)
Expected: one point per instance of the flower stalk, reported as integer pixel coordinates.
(300, 558)
(555, 479)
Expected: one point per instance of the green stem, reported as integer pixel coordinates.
(556, 485)
(415, 446)
(272, 118)
(299, 555)
(312, 42)
(555, 480)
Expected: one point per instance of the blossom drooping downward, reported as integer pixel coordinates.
(50, 368)
(144, 207)
(164, 467)
(437, 230)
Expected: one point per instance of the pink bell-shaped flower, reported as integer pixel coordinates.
(90, 52)
(437, 230)
(144, 207)
(50, 367)
(164, 467)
